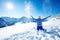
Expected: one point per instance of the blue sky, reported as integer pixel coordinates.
(36, 8)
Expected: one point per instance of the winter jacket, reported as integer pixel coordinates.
(39, 21)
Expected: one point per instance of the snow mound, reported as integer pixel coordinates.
(17, 28)
(33, 34)
(27, 31)
(52, 32)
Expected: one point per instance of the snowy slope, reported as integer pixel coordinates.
(17, 28)
(27, 31)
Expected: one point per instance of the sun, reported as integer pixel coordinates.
(9, 6)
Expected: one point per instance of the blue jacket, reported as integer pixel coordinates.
(39, 21)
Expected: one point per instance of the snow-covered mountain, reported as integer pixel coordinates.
(7, 21)
(27, 31)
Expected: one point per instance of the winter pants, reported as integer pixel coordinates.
(39, 28)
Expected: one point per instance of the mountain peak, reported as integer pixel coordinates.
(58, 16)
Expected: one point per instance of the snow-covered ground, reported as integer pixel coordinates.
(17, 28)
(27, 31)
